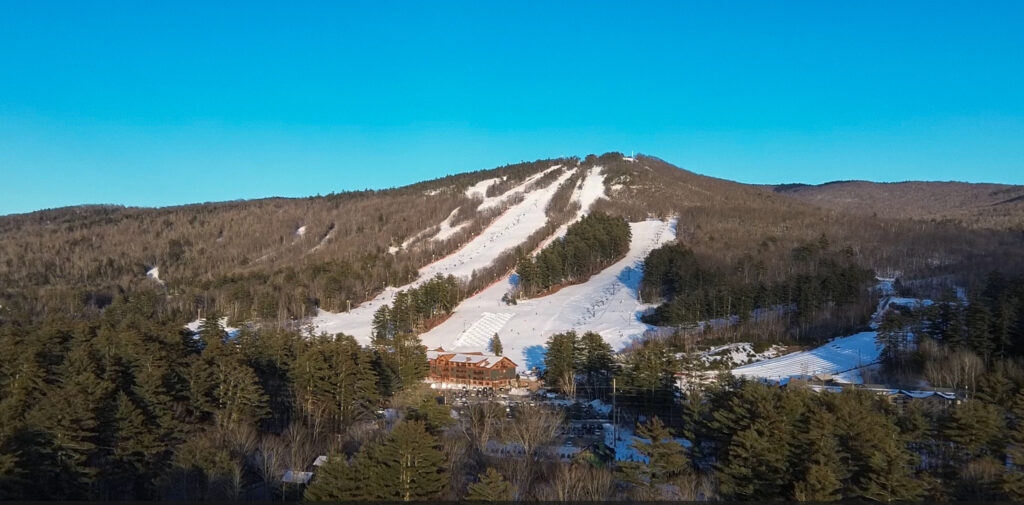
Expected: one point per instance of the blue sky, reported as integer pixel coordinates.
(148, 103)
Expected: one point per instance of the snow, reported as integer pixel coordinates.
(621, 439)
(606, 304)
(154, 273)
(496, 201)
(324, 240)
(601, 407)
(480, 189)
(737, 354)
(301, 231)
(194, 327)
(844, 354)
(507, 231)
(446, 230)
(588, 192)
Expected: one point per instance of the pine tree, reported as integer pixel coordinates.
(211, 332)
(976, 427)
(755, 466)
(491, 486)
(495, 345)
(341, 481)
(383, 327)
(240, 397)
(560, 358)
(664, 458)
(409, 465)
(890, 475)
(819, 455)
(1013, 478)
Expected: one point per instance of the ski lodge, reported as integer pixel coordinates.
(472, 369)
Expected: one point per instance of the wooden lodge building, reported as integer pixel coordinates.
(471, 369)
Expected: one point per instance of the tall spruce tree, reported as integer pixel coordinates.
(495, 345)
(409, 465)
(664, 459)
(491, 486)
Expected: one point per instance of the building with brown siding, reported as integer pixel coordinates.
(472, 369)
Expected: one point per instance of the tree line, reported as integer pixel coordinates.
(591, 244)
(821, 282)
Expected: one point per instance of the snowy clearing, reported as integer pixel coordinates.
(843, 354)
(606, 304)
(510, 229)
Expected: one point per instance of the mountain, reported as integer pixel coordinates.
(288, 260)
(994, 206)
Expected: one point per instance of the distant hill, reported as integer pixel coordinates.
(993, 206)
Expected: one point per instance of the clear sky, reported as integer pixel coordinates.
(150, 103)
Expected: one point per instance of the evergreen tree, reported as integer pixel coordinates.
(976, 428)
(664, 459)
(819, 455)
(890, 475)
(409, 465)
(495, 345)
(491, 486)
(338, 480)
(560, 359)
(755, 464)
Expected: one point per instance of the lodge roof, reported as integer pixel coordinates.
(475, 358)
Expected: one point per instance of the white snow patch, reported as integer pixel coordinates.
(154, 273)
(606, 304)
(301, 231)
(736, 354)
(231, 331)
(508, 230)
(480, 189)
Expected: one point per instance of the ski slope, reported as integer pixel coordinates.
(508, 230)
(588, 192)
(844, 354)
(607, 304)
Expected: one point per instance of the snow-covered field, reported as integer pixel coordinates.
(842, 356)
(607, 304)
(510, 229)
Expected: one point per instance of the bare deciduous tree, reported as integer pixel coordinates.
(533, 427)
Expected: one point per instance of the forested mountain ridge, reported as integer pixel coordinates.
(995, 206)
(278, 259)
